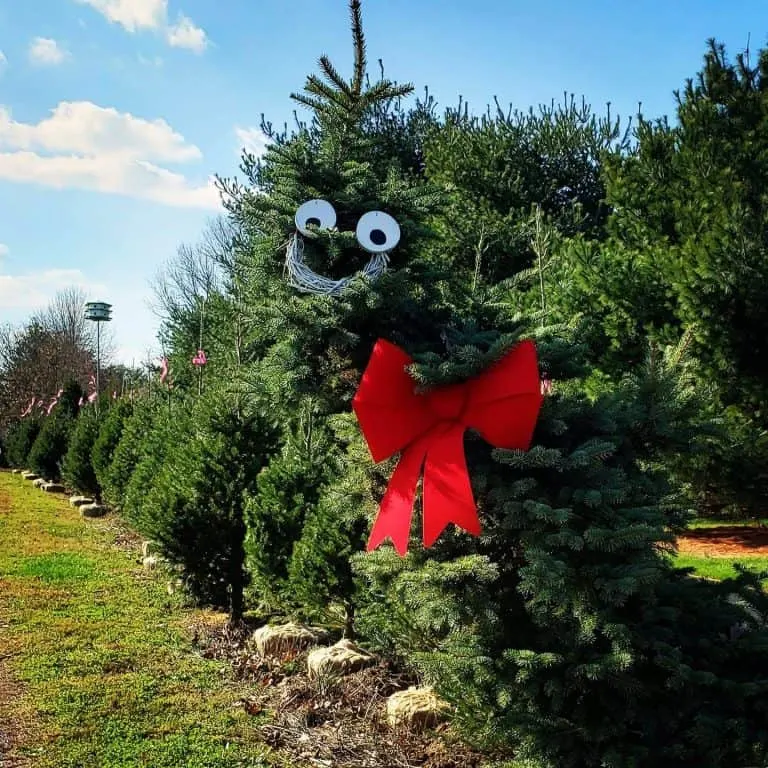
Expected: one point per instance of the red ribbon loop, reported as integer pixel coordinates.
(502, 405)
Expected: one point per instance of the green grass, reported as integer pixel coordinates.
(718, 568)
(109, 678)
(704, 522)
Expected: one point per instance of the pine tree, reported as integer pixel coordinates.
(138, 431)
(352, 155)
(51, 443)
(196, 506)
(110, 430)
(141, 455)
(285, 489)
(77, 467)
(19, 440)
(562, 614)
(684, 255)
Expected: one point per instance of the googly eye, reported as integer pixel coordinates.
(377, 232)
(317, 213)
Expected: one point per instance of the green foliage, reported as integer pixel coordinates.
(136, 433)
(152, 435)
(564, 611)
(320, 569)
(286, 488)
(20, 438)
(196, 506)
(77, 467)
(110, 430)
(50, 446)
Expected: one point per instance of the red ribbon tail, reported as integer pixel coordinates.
(396, 511)
(447, 490)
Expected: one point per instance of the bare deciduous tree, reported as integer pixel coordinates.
(55, 346)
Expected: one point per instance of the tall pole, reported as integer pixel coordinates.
(200, 368)
(98, 365)
(100, 312)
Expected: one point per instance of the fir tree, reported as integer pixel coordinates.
(19, 440)
(196, 506)
(77, 467)
(138, 431)
(286, 488)
(110, 430)
(51, 443)
(561, 614)
(309, 346)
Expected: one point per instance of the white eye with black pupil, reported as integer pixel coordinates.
(315, 213)
(377, 232)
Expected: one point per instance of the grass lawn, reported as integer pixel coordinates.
(718, 568)
(96, 655)
(705, 522)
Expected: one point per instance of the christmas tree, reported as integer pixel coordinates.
(562, 633)
(349, 180)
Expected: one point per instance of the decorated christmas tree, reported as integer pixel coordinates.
(332, 218)
(561, 632)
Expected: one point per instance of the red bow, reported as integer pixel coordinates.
(502, 404)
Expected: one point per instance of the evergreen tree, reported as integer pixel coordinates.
(320, 568)
(77, 467)
(196, 506)
(110, 430)
(285, 489)
(51, 443)
(316, 346)
(148, 442)
(561, 614)
(20, 438)
(137, 432)
(685, 254)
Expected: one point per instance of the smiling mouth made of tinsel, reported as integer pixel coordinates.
(377, 233)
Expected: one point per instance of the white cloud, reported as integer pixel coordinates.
(137, 15)
(84, 127)
(184, 34)
(35, 289)
(133, 15)
(4, 250)
(253, 139)
(85, 146)
(3, 62)
(44, 50)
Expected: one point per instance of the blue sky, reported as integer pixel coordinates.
(115, 114)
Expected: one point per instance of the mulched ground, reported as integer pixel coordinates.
(338, 724)
(725, 541)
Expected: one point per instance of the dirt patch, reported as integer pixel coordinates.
(725, 541)
(334, 722)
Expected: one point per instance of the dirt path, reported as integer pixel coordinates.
(725, 541)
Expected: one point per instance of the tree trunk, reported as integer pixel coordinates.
(236, 599)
